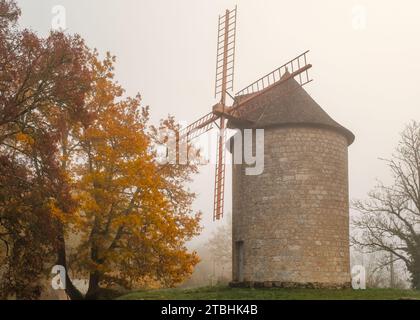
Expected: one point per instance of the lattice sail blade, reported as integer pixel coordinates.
(225, 56)
(219, 180)
(198, 127)
(297, 68)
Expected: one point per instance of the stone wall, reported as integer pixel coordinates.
(293, 219)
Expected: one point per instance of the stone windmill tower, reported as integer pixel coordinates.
(291, 223)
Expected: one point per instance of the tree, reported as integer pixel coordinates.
(379, 275)
(78, 162)
(38, 77)
(134, 221)
(220, 247)
(390, 218)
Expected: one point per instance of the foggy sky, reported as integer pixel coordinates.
(365, 71)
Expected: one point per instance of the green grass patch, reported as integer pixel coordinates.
(226, 293)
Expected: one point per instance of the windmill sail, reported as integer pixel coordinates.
(296, 65)
(225, 56)
(198, 127)
(225, 67)
(296, 68)
(219, 177)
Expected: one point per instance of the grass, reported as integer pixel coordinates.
(226, 293)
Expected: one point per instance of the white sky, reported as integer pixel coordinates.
(366, 72)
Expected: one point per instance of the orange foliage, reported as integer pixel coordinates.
(77, 162)
(135, 216)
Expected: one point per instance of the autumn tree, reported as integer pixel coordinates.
(390, 218)
(135, 214)
(38, 76)
(78, 162)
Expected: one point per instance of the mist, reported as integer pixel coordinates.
(364, 56)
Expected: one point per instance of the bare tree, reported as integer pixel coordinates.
(392, 275)
(220, 249)
(390, 218)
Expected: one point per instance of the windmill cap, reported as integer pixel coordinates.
(287, 104)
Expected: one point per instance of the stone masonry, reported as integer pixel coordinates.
(291, 223)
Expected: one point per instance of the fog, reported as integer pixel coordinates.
(364, 56)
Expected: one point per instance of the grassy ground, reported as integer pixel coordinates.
(224, 292)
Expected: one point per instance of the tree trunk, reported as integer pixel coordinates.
(71, 290)
(93, 291)
(415, 275)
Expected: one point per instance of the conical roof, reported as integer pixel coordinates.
(287, 104)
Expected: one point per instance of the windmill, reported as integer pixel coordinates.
(296, 68)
